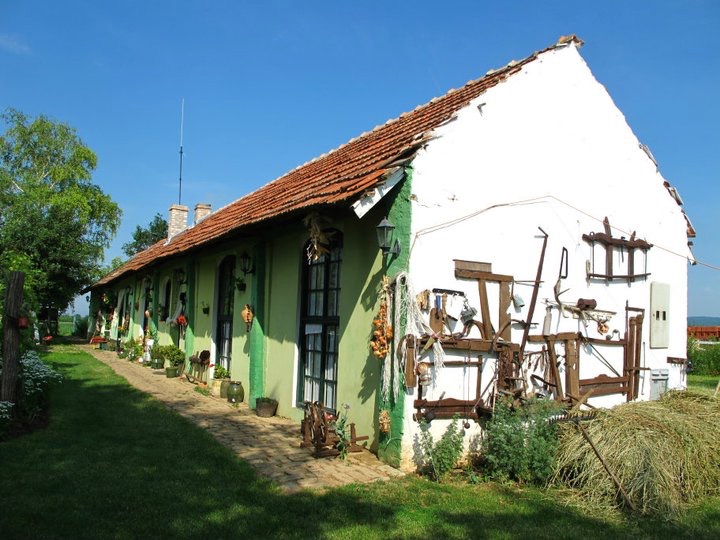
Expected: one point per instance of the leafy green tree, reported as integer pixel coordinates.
(144, 238)
(115, 263)
(54, 222)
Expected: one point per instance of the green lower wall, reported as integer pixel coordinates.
(280, 320)
(265, 359)
(257, 342)
(390, 448)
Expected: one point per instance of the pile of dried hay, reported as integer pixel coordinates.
(664, 453)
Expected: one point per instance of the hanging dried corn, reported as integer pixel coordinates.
(383, 331)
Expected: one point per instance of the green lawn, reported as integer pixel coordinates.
(114, 463)
(705, 384)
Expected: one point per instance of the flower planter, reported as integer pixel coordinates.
(156, 363)
(235, 392)
(266, 407)
(172, 371)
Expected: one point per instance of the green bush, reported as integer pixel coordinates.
(705, 357)
(520, 444)
(132, 350)
(441, 457)
(172, 353)
(81, 326)
(221, 373)
(34, 381)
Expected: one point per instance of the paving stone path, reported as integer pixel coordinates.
(270, 445)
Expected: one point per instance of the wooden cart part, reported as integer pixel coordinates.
(483, 278)
(318, 430)
(604, 385)
(449, 407)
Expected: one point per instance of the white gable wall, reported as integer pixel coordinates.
(547, 148)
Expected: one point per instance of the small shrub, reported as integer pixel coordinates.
(6, 416)
(441, 457)
(520, 444)
(132, 349)
(221, 373)
(341, 428)
(705, 358)
(34, 381)
(81, 326)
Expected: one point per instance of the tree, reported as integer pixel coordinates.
(116, 263)
(54, 222)
(144, 238)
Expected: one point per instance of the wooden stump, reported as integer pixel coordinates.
(11, 338)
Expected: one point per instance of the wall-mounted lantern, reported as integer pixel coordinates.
(246, 264)
(385, 238)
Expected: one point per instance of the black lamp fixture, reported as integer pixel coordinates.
(246, 265)
(385, 236)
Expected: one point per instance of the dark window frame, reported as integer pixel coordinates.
(319, 312)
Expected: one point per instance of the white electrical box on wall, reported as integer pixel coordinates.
(659, 315)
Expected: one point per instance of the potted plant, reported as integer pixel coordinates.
(132, 350)
(157, 356)
(221, 381)
(265, 406)
(175, 358)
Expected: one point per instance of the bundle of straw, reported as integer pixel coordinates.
(664, 453)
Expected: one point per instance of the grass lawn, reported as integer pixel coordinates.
(115, 463)
(704, 384)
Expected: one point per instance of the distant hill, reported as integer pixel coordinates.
(703, 321)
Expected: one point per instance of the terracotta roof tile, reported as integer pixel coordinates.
(338, 176)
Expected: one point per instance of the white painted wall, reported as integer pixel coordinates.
(547, 149)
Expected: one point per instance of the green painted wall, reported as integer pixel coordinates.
(205, 275)
(399, 213)
(358, 369)
(205, 296)
(256, 343)
(265, 360)
(280, 321)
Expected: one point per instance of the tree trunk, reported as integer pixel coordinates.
(11, 341)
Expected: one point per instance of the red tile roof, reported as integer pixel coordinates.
(340, 176)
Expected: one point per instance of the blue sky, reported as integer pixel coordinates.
(270, 85)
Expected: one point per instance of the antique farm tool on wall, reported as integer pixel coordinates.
(536, 289)
(437, 316)
(606, 240)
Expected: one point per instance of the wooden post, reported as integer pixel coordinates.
(11, 338)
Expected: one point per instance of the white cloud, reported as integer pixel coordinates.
(13, 45)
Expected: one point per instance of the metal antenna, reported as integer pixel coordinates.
(182, 120)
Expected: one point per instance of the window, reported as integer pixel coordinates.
(167, 298)
(319, 326)
(225, 302)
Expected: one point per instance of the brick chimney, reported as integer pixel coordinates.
(178, 219)
(202, 210)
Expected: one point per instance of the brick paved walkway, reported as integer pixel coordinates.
(270, 445)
